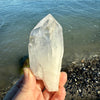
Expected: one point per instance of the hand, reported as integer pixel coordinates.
(28, 88)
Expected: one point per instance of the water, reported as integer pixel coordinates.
(80, 21)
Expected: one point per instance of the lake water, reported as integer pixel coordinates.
(80, 21)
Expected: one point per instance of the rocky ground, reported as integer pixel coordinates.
(3, 92)
(83, 80)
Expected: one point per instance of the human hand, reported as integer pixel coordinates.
(28, 88)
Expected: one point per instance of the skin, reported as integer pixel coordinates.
(28, 88)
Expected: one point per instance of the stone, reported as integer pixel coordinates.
(46, 51)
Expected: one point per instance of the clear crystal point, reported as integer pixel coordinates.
(46, 51)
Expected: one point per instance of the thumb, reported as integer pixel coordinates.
(29, 80)
(28, 86)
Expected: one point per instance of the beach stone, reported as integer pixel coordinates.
(46, 51)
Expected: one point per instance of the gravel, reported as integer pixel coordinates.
(83, 79)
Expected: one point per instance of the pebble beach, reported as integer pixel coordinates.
(83, 80)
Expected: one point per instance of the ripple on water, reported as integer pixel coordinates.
(1, 21)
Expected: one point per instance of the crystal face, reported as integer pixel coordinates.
(46, 51)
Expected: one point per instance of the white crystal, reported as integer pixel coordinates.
(46, 51)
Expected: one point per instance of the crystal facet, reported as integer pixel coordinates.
(46, 51)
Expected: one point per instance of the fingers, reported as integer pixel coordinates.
(29, 77)
(63, 79)
(29, 80)
(40, 84)
(60, 95)
(47, 95)
(28, 88)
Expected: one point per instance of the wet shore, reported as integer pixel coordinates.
(83, 80)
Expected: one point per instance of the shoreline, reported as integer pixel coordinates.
(83, 80)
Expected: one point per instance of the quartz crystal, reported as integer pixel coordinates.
(46, 51)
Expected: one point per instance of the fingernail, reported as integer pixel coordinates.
(26, 72)
(30, 74)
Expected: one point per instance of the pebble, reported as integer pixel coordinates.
(79, 90)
